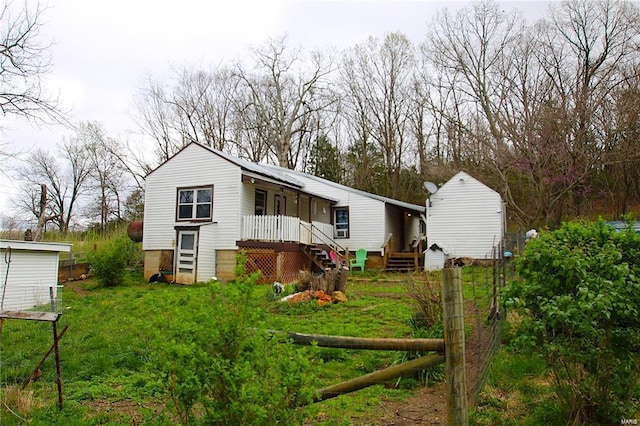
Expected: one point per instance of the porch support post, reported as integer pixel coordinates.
(279, 266)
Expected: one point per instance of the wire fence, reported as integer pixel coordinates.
(484, 313)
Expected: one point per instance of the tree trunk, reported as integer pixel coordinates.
(43, 211)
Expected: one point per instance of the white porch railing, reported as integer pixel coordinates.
(283, 228)
(322, 233)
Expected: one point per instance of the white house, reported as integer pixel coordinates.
(465, 218)
(203, 205)
(29, 273)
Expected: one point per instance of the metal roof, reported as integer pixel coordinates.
(402, 204)
(287, 176)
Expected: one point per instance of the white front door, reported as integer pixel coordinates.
(186, 254)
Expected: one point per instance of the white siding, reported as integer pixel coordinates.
(305, 209)
(433, 260)
(30, 275)
(464, 217)
(248, 200)
(366, 215)
(193, 166)
(206, 263)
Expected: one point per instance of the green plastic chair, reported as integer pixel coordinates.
(358, 262)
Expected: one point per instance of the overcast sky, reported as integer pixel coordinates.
(102, 50)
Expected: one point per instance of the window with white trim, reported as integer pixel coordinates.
(195, 203)
(341, 222)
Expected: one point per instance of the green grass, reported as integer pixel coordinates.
(109, 356)
(108, 353)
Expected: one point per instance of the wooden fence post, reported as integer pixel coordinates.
(453, 318)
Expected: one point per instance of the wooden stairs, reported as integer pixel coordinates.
(403, 262)
(319, 255)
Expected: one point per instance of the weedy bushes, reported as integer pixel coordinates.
(223, 367)
(427, 298)
(579, 297)
(110, 261)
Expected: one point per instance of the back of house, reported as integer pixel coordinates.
(202, 206)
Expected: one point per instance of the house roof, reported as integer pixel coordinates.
(288, 177)
(246, 165)
(402, 204)
(257, 168)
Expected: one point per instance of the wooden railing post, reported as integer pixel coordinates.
(453, 318)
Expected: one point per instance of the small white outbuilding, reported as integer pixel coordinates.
(466, 219)
(29, 273)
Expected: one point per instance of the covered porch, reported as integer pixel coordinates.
(283, 246)
(289, 229)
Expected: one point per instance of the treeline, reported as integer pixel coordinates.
(545, 112)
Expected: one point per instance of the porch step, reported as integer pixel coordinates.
(401, 264)
(321, 260)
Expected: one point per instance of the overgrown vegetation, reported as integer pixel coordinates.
(426, 296)
(117, 360)
(109, 262)
(578, 298)
(226, 365)
(144, 353)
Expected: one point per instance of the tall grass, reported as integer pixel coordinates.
(109, 353)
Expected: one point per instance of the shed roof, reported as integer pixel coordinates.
(35, 246)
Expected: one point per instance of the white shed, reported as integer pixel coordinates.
(465, 218)
(28, 272)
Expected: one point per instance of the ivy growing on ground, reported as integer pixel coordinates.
(223, 367)
(579, 295)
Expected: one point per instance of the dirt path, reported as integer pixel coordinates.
(429, 405)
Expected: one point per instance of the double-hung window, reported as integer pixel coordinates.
(341, 222)
(261, 203)
(195, 203)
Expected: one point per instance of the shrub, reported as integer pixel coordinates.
(427, 299)
(222, 363)
(110, 261)
(579, 296)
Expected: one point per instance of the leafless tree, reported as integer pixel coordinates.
(203, 101)
(282, 95)
(620, 175)
(107, 182)
(65, 181)
(586, 48)
(156, 119)
(377, 82)
(196, 107)
(530, 95)
(23, 62)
